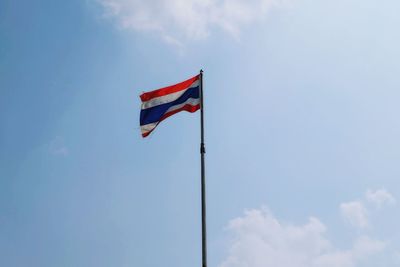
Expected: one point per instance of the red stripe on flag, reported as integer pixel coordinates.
(186, 107)
(169, 89)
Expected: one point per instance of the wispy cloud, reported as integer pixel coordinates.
(178, 21)
(380, 197)
(355, 213)
(57, 147)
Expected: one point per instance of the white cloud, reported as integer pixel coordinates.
(380, 197)
(365, 246)
(355, 213)
(181, 20)
(259, 239)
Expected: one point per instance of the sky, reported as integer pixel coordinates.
(301, 130)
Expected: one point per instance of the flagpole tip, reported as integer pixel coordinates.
(201, 71)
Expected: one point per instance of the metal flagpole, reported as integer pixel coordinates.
(203, 178)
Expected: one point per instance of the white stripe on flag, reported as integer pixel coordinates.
(148, 127)
(190, 101)
(167, 98)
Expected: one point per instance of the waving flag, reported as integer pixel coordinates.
(159, 104)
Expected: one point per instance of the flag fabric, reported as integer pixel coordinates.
(159, 104)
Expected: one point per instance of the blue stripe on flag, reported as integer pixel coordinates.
(154, 114)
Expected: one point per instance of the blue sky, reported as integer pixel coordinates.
(301, 106)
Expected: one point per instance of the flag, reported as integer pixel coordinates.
(159, 104)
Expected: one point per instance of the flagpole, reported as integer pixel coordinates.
(203, 178)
